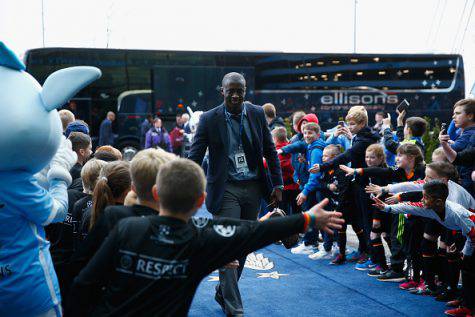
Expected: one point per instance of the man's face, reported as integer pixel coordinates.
(111, 116)
(378, 118)
(157, 123)
(234, 93)
(85, 154)
(185, 118)
(310, 136)
(178, 120)
(355, 127)
(461, 119)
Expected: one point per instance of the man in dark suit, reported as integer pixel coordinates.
(237, 137)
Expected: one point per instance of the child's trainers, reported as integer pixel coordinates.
(353, 256)
(376, 271)
(364, 266)
(422, 289)
(321, 255)
(408, 285)
(303, 249)
(338, 260)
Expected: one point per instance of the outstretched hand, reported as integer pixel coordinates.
(348, 170)
(391, 200)
(374, 189)
(326, 220)
(378, 203)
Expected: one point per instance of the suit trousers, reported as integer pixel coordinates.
(241, 200)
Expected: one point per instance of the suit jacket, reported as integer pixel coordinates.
(212, 133)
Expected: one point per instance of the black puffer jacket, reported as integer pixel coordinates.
(356, 154)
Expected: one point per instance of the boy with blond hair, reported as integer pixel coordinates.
(361, 137)
(153, 265)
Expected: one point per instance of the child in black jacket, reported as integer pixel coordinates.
(357, 120)
(410, 166)
(153, 265)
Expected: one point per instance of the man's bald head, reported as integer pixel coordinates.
(111, 116)
(233, 78)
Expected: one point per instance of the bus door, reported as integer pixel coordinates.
(177, 87)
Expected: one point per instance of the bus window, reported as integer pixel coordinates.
(179, 87)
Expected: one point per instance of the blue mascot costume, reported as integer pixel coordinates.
(31, 141)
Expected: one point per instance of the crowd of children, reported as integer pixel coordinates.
(378, 179)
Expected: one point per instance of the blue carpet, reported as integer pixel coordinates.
(315, 288)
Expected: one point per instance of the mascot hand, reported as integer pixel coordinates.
(62, 162)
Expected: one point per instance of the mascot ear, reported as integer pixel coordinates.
(190, 111)
(9, 59)
(63, 84)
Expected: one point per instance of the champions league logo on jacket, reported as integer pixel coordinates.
(199, 222)
(225, 231)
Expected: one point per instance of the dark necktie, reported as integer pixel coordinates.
(246, 144)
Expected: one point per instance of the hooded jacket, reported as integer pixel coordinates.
(298, 146)
(314, 156)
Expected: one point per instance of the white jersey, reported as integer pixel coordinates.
(456, 218)
(457, 193)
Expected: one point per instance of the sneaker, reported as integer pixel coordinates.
(377, 271)
(391, 276)
(353, 256)
(461, 311)
(363, 258)
(364, 266)
(422, 289)
(446, 296)
(303, 249)
(409, 285)
(321, 255)
(340, 259)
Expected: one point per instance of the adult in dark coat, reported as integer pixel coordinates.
(237, 137)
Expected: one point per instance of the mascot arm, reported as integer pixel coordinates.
(59, 194)
(38, 205)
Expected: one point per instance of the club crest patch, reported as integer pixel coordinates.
(199, 222)
(225, 231)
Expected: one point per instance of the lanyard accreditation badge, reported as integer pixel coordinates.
(239, 156)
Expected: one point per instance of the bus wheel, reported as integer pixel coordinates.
(129, 149)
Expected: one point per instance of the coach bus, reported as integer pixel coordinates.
(165, 83)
